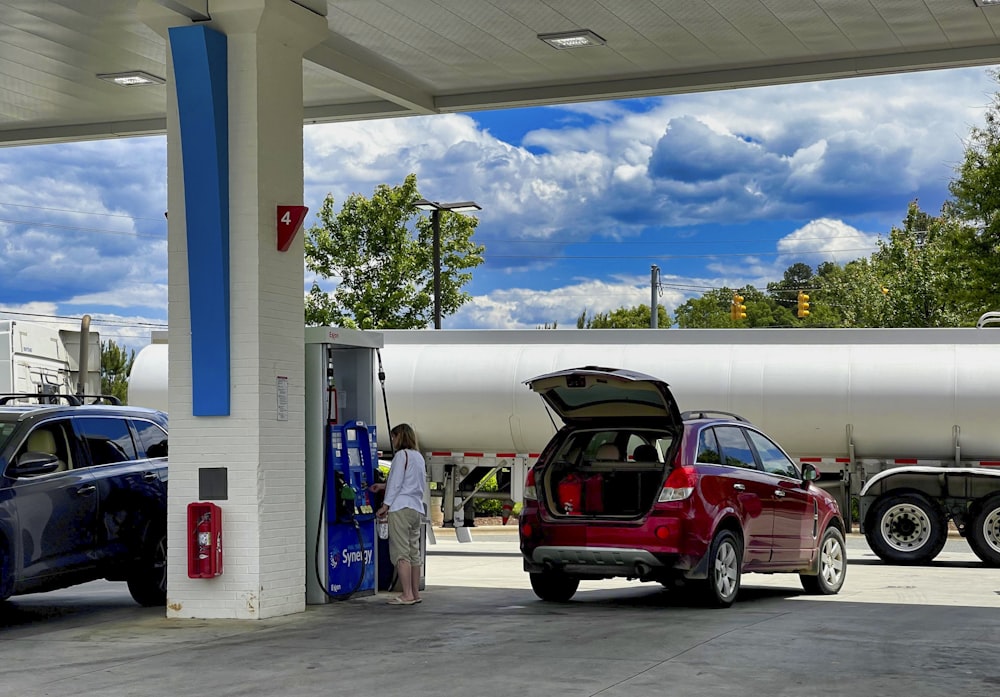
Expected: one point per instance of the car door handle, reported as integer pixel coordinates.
(150, 476)
(739, 487)
(779, 493)
(86, 490)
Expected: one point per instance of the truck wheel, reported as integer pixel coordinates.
(832, 565)
(906, 529)
(554, 586)
(984, 532)
(148, 582)
(725, 565)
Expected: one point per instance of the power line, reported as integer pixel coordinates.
(126, 233)
(62, 319)
(671, 256)
(77, 212)
(671, 242)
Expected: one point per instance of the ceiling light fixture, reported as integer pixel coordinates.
(132, 78)
(986, 3)
(572, 39)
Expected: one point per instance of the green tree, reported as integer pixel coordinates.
(624, 318)
(799, 277)
(855, 291)
(116, 366)
(710, 311)
(975, 237)
(385, 272)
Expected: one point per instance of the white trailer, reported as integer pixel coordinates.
(38, 359)
(901, 421)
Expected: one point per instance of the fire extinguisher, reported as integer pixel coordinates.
(204, 540)
(203, 544)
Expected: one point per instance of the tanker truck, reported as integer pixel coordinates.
(901, 423)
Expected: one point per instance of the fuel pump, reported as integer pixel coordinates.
(341, 455)
(350, 521)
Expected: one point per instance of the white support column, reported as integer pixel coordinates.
(261, 448)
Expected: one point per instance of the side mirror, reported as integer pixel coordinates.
(809, 473)
(31, 463)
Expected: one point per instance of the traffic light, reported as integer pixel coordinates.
(738, 310)
(803, 304)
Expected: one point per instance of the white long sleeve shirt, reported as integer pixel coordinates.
(407, 483)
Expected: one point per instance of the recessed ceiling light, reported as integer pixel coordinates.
(986, 3)
(132, 78)
(572, 39)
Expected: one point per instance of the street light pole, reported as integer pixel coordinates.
(654, 284)
(435, 208)
(436, 227)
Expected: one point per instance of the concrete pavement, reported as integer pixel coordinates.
(916, 632)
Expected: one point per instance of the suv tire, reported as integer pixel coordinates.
(725, 563)
(148, 583)
(832, 565)
(554, 586)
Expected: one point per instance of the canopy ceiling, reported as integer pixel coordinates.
(398, 57)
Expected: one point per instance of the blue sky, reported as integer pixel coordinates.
(717, 189)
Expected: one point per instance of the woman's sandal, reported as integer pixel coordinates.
(399, 601)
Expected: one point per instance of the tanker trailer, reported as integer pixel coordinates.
(900, 421)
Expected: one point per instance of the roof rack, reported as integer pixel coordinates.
(709, 413)
(73, 400)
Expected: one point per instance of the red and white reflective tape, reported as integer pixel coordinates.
(899, 462)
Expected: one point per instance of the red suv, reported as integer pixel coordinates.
(630, 487)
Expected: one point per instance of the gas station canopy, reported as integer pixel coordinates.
(59, 58)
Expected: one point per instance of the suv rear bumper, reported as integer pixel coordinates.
(595, 561)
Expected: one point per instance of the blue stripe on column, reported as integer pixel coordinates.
(200, 76)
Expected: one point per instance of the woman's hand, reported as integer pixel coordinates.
(376, 487)
(383, 511)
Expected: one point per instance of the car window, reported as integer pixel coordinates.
(49, 438)
(708, 448)
(108, 439)
(7, 428)
(735, 449)
(771, 457)
(594, 451)
(152, 438)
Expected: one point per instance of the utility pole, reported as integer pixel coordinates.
(654, 282)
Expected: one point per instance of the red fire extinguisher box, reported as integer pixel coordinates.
(204, 540)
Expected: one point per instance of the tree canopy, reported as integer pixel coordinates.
(116, 366)
(382, 266)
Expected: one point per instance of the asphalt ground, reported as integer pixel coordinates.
(892, 631)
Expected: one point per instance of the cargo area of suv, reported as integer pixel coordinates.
(607, 473)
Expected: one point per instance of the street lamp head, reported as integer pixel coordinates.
(457, 207)
(462, 207)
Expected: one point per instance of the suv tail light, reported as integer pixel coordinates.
(679, 485)
(529, 487)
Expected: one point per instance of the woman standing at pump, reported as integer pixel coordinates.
(405, 504)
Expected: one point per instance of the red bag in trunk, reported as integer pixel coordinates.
(569, 493)
(593, 493)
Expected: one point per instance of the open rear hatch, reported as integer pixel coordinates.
(612, 459)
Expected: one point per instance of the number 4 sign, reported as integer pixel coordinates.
(289, 221)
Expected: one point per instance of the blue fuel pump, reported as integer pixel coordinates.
(350, 516)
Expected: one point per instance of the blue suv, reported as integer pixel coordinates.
(83, 496)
